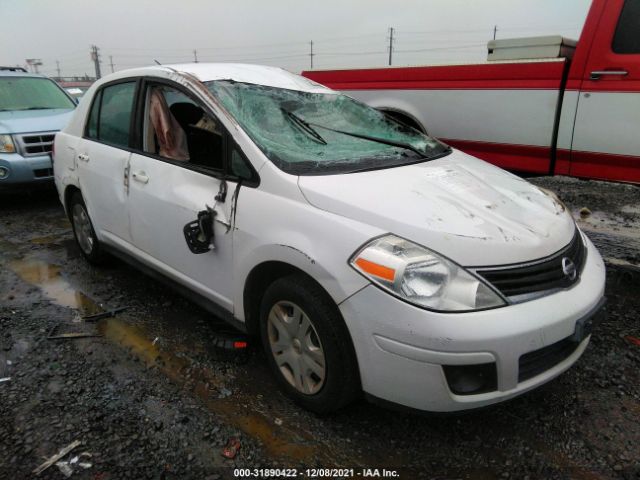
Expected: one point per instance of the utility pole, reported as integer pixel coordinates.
(311, 54)
(390, 44)
(111, 63)
(34, 63)
(58, 68)
(495, 30)
(95, 56)
(195, 56)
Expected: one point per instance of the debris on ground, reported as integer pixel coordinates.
(278, 421)
(231, 449)
(155, 340)
(633, 340)
(585, 212)
(224, 393)
(57, 457)
(67, 336)
(5, 379)
(67, 468)
(108, 314)
(230, 341)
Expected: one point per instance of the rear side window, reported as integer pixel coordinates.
(110, 117)
(627, 36)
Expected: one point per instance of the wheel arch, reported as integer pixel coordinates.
(258, 280)
(404, 117)
(69, 191)
(399, 108)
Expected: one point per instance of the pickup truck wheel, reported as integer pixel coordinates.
(83, 230)
(307, 344)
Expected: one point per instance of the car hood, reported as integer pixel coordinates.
(27, 121)
(464, 208)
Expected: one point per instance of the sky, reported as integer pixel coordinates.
(345, 33)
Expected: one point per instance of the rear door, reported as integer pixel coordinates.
(606, 139)
(102, 159)
(176, 172)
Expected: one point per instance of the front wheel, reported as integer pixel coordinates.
(307, 344)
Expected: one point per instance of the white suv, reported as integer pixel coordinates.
(367, 255)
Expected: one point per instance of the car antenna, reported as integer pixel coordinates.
(157, 61)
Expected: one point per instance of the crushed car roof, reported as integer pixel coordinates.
(238, 72)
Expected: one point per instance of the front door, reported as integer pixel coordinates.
(177, 174)
(102, 158)
(606, 143)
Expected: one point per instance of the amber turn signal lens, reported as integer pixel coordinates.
(376, 269)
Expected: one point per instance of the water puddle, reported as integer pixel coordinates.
(46, 240)
(47, 277)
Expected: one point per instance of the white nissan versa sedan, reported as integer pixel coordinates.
(367, 255)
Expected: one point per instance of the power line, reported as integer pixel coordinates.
(512, 28)
(339, 54)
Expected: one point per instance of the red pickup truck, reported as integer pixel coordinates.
(577, 114)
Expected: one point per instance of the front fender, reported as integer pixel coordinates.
(337, 278)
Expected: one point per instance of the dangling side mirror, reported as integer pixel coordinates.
(199, 233)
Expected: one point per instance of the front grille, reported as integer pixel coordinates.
(534, 363)
(538, 276)
(33, 145)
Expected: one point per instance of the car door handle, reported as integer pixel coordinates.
(140, 177)
(596, 74)
(83, 158)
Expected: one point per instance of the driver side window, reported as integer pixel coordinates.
(178, 129)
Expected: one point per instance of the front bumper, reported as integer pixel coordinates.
(402, 349)
(23, 170)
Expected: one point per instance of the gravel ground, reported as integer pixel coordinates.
(608, 212)
(151, 398)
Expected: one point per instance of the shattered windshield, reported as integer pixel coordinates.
(320, 133)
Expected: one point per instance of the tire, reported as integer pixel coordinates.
(293, 298)
(83, 231)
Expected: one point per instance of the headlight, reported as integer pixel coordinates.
(6, 144)
(422, 277)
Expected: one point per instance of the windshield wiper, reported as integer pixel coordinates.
(304, 125)
(384, 141)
